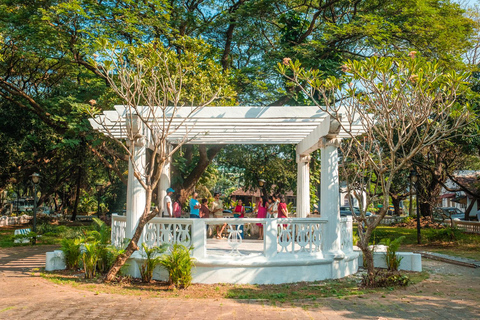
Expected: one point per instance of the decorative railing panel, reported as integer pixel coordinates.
(346, 234)
(300, 235)
(167, 231)
(119, 226)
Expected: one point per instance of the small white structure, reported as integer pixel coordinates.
(55, 261)
(410, 261)
(294, 249)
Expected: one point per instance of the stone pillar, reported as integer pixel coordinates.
(164, 183)
(330, 208)
(199, 238)
(303, 186)
(270, 238)
(136, 195)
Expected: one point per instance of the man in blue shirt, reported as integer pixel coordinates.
(194, 206)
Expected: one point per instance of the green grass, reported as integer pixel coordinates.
(50, 234)
(272, 294)
(6, 238)
(387, 232)
(467, 245)
(6, 309)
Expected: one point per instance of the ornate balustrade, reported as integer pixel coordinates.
(281, 236)
(293, 249)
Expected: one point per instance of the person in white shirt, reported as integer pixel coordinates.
(217, 210)
(167, 204)
(272, 210)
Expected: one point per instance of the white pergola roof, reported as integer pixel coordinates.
(231, 125)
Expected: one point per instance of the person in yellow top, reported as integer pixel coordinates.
(217, 210)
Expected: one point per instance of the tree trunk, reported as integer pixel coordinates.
(133, 244)
(206, 157)
(469, 208)
(425, 209)
(77, 193)
(410, 205)
(396, 205)
(367, 257)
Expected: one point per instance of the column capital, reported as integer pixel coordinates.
(303, 158)
(140, 141)
(326, 142)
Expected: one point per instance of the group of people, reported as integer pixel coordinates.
(271, 207)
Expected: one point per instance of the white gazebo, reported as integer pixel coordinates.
(295, 249)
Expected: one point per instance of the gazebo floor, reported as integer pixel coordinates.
(220, 247)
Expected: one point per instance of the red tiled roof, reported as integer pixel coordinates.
(256, 193)
(448, 195)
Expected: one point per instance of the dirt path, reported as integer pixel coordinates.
(452, 292)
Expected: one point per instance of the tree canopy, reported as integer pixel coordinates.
(47, 71)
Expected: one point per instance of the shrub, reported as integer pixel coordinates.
(45, 228)
(407, 219)
(100, 232)
(151, 261)
(90, 259)
(386, 279)
(448, 234)
(70, 233)
(71, 250)
(100, 235)
(179, 265)
(112, 254)
(393, 262)
(379, 235)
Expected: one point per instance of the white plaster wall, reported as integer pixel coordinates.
(260, 271)
(410, 262)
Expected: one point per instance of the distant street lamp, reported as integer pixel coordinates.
(99, 187)
(261, 183)
(35, 179)
(414, 181)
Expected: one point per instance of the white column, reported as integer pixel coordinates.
(199, 238)
(330, 208)
(303, 186)
(136, 195)
(164, 183)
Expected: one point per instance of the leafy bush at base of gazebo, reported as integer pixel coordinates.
(71, 251)
(152, 260)
(90, 259)
(179, 265)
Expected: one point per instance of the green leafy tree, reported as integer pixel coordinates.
(155, 83)
(401, 106)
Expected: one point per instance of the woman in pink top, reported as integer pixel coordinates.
(261, 213)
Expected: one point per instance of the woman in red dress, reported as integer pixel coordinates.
(239, 212)
(282, 208)
(261, 213)
(239, 209)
